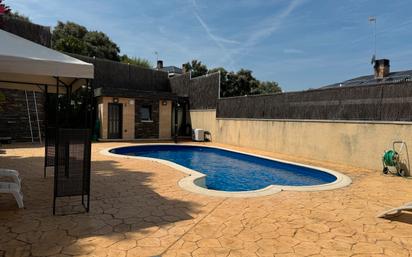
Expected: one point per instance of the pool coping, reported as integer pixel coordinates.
(195, 181)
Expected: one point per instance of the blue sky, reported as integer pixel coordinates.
(299, 43)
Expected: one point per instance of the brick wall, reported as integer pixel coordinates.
(14, 120)
(147, 129)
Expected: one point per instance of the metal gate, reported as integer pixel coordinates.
(115, 121)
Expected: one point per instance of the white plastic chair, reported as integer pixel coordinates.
(14, 174)
(395, 211)
(14, 187)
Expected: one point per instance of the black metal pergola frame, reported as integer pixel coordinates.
(63, 137)
(55, 147)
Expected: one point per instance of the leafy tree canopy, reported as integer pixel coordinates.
(136, 61)
(196, 67)
(74, 38)
(99, 45)
(241, 83)
(267, 87)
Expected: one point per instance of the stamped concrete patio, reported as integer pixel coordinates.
(137, 209)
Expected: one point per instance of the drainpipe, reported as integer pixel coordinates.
(176, 122)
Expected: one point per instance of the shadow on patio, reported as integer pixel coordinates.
(405, 217)
(135, 209)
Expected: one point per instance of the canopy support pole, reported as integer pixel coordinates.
(89, 111)
(46, 126)
(56, 145)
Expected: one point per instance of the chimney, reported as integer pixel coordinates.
(159, 64)
(184, 70)
(381, 68)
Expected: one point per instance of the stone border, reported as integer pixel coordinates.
(195, 181)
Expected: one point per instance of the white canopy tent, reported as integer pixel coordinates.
(24, 63)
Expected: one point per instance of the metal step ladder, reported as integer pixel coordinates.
(33, 118)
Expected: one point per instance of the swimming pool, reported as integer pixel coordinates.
(231, 171)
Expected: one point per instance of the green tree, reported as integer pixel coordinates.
(266, 87)
(136, 61)
(246, 83)
(68, 37)
(196, 67)
(99, 44)
(243, 83)
(235, 83)
(74, 38)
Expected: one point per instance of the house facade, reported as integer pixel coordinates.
(131, 102)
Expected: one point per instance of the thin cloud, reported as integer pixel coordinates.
(266, 28)
(227, 41)
(269, 26)
(218, 40)
(292, 51)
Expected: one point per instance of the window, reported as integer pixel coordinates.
(146, 113)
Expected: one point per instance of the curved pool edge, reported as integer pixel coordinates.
(195, 180)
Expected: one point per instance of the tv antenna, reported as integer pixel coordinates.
(157, 55)
(372, 20)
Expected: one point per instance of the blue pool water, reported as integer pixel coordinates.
(231, 171)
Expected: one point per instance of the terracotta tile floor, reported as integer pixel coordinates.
(137, 209)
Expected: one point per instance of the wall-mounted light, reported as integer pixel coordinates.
(115, 100)
(164, 102)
